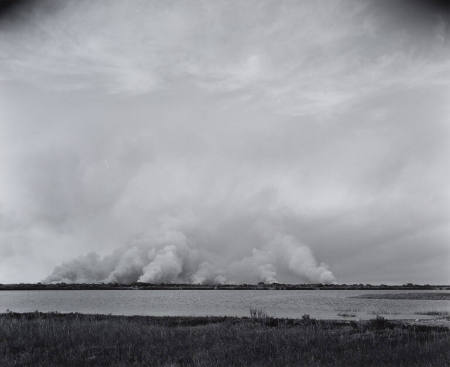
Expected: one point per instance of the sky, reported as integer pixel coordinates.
(224, 141)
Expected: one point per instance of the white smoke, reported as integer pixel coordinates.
(169, 258)
(208, 274)
(129, 266)
(282, 253)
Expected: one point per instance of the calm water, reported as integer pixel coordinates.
(319, 304)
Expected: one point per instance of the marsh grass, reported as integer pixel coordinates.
(51, 339)
(258, 314)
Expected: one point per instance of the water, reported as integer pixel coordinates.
(323, 304)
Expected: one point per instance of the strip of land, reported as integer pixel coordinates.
(52, 339)
(439, 296)
(172, 286)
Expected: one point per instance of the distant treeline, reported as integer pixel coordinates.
(259, 286)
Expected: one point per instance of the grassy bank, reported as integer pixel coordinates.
(39, 339)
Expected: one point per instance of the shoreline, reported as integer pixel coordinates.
(441, 321)
(259, 286)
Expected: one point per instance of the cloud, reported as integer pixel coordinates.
(265, 137)
(303, 59)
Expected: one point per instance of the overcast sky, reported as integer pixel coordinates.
(224, 141)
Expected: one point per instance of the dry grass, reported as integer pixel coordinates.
(38, 339)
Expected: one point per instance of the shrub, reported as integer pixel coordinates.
(380, 323)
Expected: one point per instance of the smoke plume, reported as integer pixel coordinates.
(170, 258)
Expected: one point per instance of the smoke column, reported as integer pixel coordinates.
(169, 258)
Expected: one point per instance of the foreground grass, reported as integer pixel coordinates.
(39, 339)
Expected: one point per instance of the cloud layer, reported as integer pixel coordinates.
(224, 141)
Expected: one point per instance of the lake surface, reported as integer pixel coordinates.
(323, 304)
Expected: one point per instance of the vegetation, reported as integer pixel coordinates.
(258, 314)
(52, 339)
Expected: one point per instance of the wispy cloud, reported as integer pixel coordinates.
(254, 129)
(301, 58)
